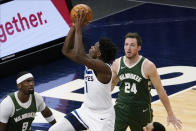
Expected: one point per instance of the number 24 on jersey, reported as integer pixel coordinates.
(130, 88)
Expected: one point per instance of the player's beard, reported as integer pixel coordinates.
(130, 56)
(28, 92)
(31, 91)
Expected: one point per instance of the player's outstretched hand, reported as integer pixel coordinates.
(80, 21)
(175, 121)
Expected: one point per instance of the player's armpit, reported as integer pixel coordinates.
(115, 78)
(115, 81)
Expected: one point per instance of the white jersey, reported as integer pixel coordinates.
(97, 111)
(97, 95)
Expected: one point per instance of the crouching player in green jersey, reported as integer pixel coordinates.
(17, 110)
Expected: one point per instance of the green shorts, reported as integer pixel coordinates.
(134, 117)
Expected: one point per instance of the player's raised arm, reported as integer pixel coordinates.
(68, 45)
(80, 55)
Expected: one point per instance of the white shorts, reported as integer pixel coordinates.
(96, 120)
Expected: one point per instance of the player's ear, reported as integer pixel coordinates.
(19, 85)
(139, 48)
(99, 54)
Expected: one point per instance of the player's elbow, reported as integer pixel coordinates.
(67, 53)
(112, 86)
(64, 52)
(78, 55)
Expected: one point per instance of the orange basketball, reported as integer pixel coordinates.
(86, 9)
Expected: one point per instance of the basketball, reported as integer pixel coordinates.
(87, 10)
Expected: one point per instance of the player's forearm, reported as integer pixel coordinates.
(165, 100)
(69, 41)
(115, 80)
(47, 114)
(112, 87)
(79, 50)
(114, 83)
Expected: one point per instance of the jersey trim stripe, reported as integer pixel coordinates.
(75, 113)
(142, 69)
(88, 72)
(140, 57)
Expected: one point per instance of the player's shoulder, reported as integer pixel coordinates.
(37, 95)
(6, 98)
(149, 65)
(6, 101)
(117, 60)
(148, 62)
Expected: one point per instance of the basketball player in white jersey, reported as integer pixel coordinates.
(97, 112)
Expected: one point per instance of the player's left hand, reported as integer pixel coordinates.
(175, 121)
(80, 20)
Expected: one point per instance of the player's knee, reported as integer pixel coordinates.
(62, 125)
(56, 127)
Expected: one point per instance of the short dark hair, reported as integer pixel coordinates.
(134, 35)
(21, 74)
(108, 50)
(158, 127)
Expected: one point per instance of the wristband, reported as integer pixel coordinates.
(50, 118)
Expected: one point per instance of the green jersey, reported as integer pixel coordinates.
(134, 87)
(22, 118)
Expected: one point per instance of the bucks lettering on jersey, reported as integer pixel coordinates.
(133, 86)
(22, 118)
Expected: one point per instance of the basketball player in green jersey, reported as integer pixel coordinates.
(133, 105)
(17, 110)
